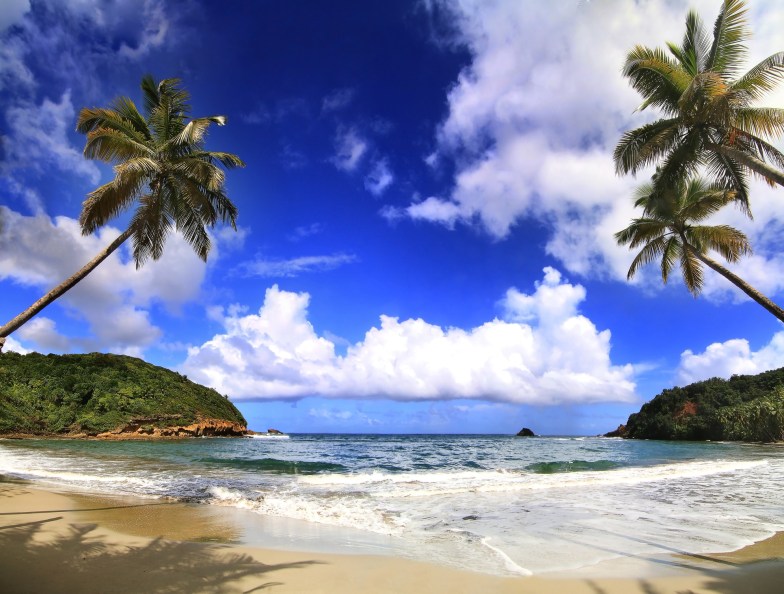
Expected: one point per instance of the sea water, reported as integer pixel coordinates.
(497, 504)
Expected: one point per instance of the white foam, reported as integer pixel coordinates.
(510, 565)
(346, 512)
(428, 484)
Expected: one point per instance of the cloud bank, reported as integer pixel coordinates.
(542, 352)
(725, 359)
(533, 120)
(115, 300)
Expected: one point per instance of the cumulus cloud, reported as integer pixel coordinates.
(114, 299)
(535, 116)
(724, 359)
(543, 352)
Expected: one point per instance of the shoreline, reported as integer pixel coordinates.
(72, 542)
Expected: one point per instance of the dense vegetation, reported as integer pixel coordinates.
(743, 408)
(60, 394)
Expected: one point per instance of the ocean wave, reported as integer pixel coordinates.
(571, 466)
(273, 465)
(344, 512)
(427, 484)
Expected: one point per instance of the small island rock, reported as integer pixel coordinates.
(526, 432)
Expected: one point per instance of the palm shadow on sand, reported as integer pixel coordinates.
(81, 560)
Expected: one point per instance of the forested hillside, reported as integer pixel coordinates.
(97, 393)
(743, 408)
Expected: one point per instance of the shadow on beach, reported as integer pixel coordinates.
(78, 559)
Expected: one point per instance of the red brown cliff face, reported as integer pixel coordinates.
(148, 428)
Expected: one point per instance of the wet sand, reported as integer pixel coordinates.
(57, 542)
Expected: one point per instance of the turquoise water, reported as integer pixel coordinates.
(503, 504)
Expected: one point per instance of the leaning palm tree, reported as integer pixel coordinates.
(709, 114)
(668, 232)
(160, 165)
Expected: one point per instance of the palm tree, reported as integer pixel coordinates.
(160, 165)
(667, 233)
(708, 118)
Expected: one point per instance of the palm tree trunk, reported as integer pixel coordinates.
(740, 283)
(750, 161)
(60, 289)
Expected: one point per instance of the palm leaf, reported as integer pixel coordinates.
(729, 35)
(658, 78)
(691, 269)
(763, 77)
(642, 146)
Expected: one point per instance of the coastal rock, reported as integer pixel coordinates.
(621, 431)
(274, 432)
(146, 428)
(526, 432)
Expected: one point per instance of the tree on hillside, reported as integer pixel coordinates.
(710, 117)
(668, 232)
(162, 167)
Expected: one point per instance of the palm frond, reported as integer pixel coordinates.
(763, 77)
(729, 35)
(730, 175)
(108, 145)
(109, 200)
(731, 243)
(758, 147)
(643, 146)
(700, 201)
(649, 253)
(671, 253)
(681, 162)
(764, 121)
(657, 77)
(97, 118)
(693, 52)
(691, 269)
(228, 160)
(151, 225)
(640, 231)
(150, 93)
(194, 131)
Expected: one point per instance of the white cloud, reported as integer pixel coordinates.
(272, 268)
(114, 299)
(379, 178)
(152, 34)
(43, 332)
(724, 359)
(543, 352)
(337, 100)
(12, 12)
(534, 118)
(39, 138)
(350, 147)
(13, 345)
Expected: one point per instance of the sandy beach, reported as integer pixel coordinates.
(56, 542)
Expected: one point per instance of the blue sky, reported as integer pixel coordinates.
(426, 216)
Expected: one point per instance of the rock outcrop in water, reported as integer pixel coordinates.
(743, 408)
(108, 397)
(526, 432)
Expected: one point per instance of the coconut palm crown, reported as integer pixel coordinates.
(161, 164)
(670, 232)
(709, 107)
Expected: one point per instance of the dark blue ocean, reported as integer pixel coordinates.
(504, 504)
